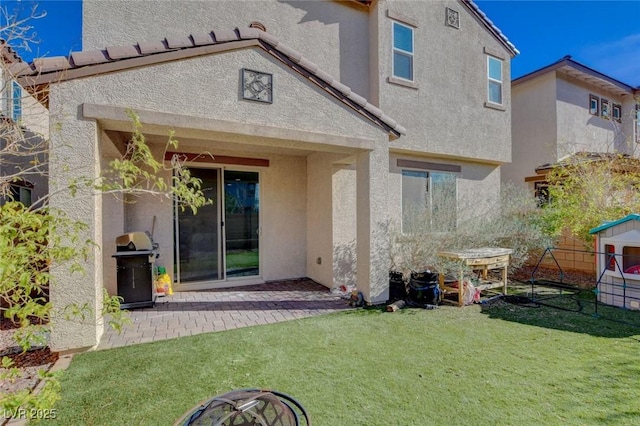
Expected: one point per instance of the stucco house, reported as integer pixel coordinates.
(323, 122)
(24, 126)
(563, 113)
(567, 108)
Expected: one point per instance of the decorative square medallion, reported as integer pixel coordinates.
(257, 86)
(452, 18)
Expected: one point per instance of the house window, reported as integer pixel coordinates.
(605, 112)
(542, 193)
(594, 105)
(21, 194)
(429, 201)
(494, 75)
(637, 126)
(630, 259)
(16, 101)
(402, 51)
(609, 254)
(617, 112)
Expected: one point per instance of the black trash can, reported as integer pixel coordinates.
(424, 288)
(397, 287)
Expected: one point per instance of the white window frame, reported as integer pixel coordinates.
(592, 99)
(493, 80)
(403, 52)
(16, 101)
(616, 112)
(637, 123)
(605, 109)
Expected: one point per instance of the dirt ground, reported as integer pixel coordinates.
(29, 363)
(582, 280)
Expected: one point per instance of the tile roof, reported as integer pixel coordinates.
(493, 29)
(116, 58)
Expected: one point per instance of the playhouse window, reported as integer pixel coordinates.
(610, 260)
(631, 260)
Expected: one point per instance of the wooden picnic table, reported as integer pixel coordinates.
(483, 259)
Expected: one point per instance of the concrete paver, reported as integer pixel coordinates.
(193, 312)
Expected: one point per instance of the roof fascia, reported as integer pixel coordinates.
(490, 26)
(608, 225)
(576, 65)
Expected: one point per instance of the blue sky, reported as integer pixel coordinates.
(604, 35)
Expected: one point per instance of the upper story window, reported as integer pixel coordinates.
(402, 51)
(594, 105)
(637, 126)
(616, 112)
(605, 109)
(494, 77)
(16, 101)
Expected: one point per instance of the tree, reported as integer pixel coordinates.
(35, 238)
(512, 221)
(590, 189)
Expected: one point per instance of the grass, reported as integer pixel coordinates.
(498, 364)
(242, 259)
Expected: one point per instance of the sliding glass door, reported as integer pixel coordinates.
(242, 223)
(199, 257)
(222, 239)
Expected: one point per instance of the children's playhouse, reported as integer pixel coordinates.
(618, 262)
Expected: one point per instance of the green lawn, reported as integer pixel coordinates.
(478, 365)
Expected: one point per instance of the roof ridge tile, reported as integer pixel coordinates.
(178, 42)
(122, 52)
(203, 39)
(225, 35)
(249, 33)
(54, 63)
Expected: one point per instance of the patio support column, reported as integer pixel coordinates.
(372, 238)
(75, 154)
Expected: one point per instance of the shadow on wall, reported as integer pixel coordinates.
(352, 72)
(344, 264)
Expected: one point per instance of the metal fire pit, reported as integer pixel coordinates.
(247, 407)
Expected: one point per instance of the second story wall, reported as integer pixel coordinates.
(581, 130)
(534, 128)
(332, 34)
(445, 108)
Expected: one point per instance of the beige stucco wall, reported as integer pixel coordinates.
(446, 114)
(329, 33)
(534, 128)
(580, 131)
(75, 153)
(551, 120)
(344, 224)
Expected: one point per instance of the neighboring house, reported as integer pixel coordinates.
(24, 126)
(562, 113)
(563, 109)
(294, 101)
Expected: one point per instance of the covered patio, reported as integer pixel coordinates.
(187, 313)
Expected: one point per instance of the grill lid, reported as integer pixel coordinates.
(134, 241)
